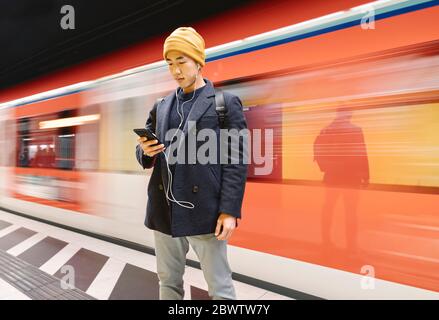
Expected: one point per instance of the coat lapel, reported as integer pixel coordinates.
(162, 126)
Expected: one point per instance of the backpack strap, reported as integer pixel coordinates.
(221, 109)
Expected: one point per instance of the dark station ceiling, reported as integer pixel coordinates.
(33, 42)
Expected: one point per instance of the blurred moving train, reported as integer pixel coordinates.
(67, 155)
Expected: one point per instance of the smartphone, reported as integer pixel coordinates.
(142, 132)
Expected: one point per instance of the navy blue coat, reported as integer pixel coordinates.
(212, 188)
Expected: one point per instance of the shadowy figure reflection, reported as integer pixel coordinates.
(341, 155)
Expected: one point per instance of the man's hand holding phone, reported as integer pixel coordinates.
(149, 142)
(150, 147)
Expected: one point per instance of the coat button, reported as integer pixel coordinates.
(195, 189)
(160, 186)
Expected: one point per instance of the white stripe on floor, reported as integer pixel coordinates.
(60, 259)
(106, 280)
(8, 230)
(26, 244)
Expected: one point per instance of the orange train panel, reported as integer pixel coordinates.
(399, 242)
(394, 32)
(71, 101)
(53, 203)
(62, 174)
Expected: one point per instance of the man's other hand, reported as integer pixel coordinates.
(227, 223)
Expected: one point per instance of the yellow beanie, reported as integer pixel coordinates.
(188, 41)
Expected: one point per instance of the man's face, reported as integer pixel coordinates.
(183, 69)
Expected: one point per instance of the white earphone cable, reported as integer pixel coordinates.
(168, 189)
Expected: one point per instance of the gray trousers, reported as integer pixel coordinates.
(171, 261)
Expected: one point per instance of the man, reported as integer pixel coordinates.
(191, 203)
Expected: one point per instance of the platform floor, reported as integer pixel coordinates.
(36, 261)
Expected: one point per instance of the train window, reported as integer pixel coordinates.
(396, 145)
(44, 143)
